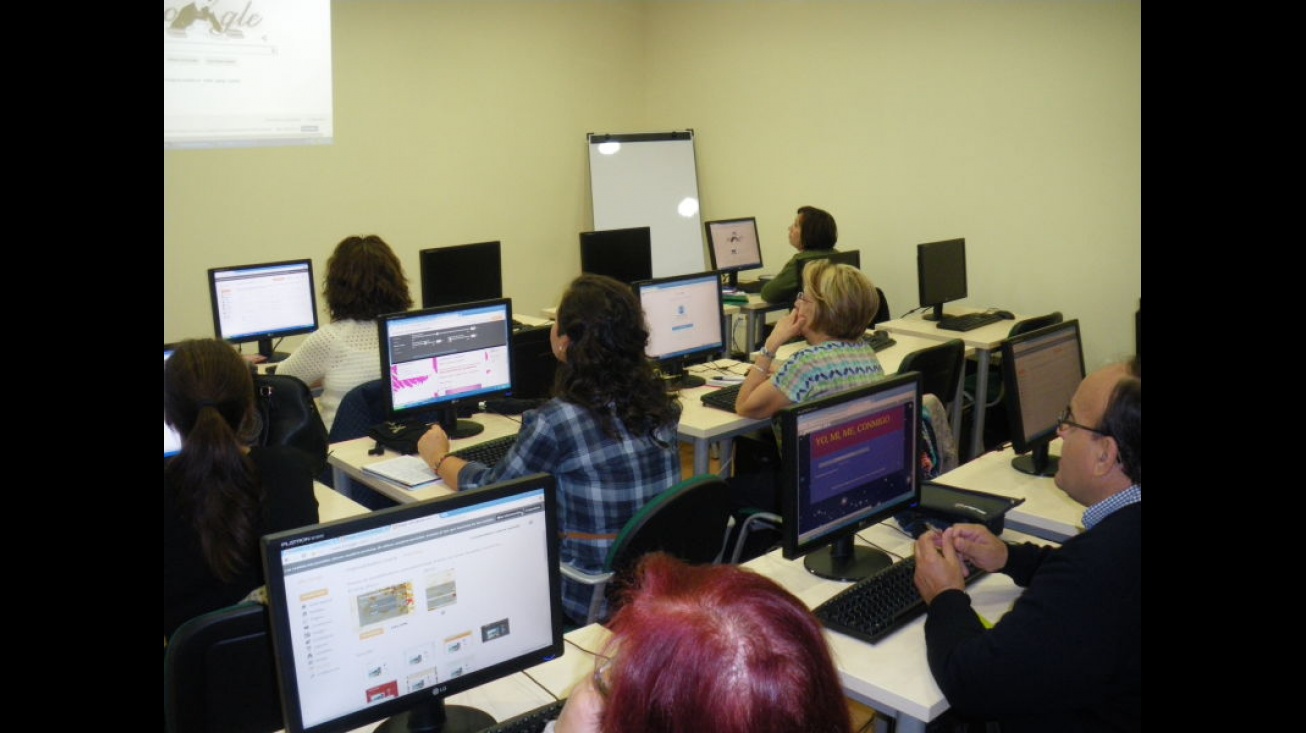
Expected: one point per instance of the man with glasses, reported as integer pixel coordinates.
(1068, 655)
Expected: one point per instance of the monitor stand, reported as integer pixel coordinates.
(270, 355)
(1037, 462)
(935, 315)
(436, 717)
(675, 378)
(845, 560)
(457, 429)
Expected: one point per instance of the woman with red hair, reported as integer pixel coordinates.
(709, 648)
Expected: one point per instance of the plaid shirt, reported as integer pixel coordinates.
(601, 482)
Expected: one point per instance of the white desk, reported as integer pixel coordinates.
(332, 504)
(981, 342)
(347, 458)
(702, 426)
(892, 676)
(1047, 512)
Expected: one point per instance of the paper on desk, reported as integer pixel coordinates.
(407, 470)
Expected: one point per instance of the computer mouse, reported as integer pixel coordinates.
(1006, 314)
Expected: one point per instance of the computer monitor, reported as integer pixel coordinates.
(1040, 372)
(622, 254)
(461, 274)
(685, 323)
(171, 438)
(848, 461)
(388, 613)
(733, 246)
(940, 274)
(437, 359)
(263, 302)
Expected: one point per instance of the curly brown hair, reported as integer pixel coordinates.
(364, 280)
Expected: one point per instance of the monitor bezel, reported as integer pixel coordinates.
(445, 409)
(732, 272)
(264, 336)
(605, 238)
(673, 360)
(1022, 442)
(792, 545)
(279, 615)
(931, 258)
(428, 261)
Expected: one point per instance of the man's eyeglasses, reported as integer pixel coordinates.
(1064, 420)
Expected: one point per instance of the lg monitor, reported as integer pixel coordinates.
(1040, 372)
(386, 614)
(685, 323)
(940, 274)
(461, 274)
(171, 438)
(732, 245)
(438, 359)
(622, 254)
(263, 302)
(848, 461)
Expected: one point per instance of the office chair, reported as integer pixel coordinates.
(881, 313)
(219, 675)
(360, 409)
(941, 367)
(689, 520)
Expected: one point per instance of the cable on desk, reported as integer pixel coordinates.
(890, 553)
(542, 686)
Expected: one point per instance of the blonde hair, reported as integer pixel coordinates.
(844, 297)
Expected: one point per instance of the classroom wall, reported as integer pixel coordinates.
(1014, 124)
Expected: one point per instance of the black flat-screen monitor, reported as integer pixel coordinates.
(733, 246)
(171, 438)
(940, 274)
(1040, 372)
(685, 324)
(388, 613)
(621, 254)
(437, 359)
(461, 273)
(263, 302)
(848, 461)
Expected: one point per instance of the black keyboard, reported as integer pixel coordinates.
(490, 452)
(531, 721)
(874, 607)
(968, 321)
(723, 398)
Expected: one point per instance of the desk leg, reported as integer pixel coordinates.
(905, 724)
(750, 333)
(981, 397)
(339, 480)
(702, 456)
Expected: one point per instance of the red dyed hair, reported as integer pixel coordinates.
(717, 648)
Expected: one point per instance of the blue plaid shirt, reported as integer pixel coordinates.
(601, 482)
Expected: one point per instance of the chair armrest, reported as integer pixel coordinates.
(580, 576)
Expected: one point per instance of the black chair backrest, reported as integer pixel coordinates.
(843, 256)
(882, 313)
(1035, 323)
(940, 367)
(360, 408)
(219, 674)
(688, 520)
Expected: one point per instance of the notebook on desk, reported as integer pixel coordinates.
(407, 470)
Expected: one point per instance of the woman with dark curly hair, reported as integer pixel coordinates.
(364, 279)
(608, 435)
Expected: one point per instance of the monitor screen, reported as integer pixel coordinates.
(733, 246)
(437, 358)
(685, 323)
(171, 438)
(848, 461)
(621, 254)
(461, 274)
(1040, 372)
(263, 302)
(385, 614)
(941, 274)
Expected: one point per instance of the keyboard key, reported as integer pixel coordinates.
(489, 452)
(531, 721)
(874, 607)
